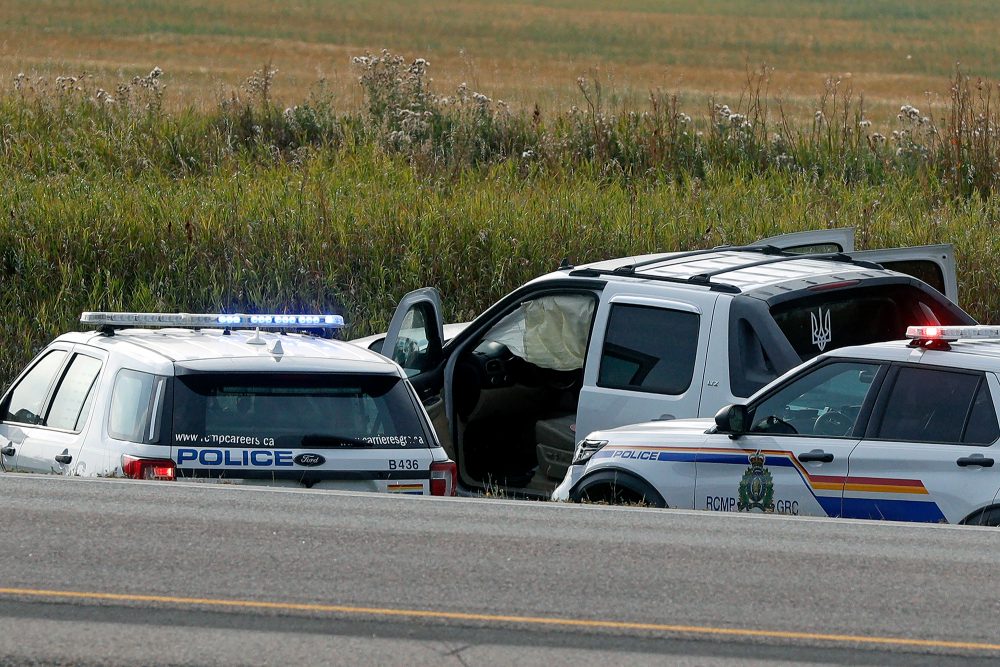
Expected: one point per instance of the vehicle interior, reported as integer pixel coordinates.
(516, 392)
(825, 402)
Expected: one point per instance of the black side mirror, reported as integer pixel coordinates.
(732, 419)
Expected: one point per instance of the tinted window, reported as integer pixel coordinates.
(295, 410)
(926, 270)
(824, 321)
(649, 349)
(815, 249)
(823, 402)
(417, 345)
(982, 428)
(28, 398)
(135, 403)
(927, 405)
(73, 394)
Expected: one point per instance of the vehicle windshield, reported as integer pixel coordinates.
(311, 410)
(829, 320)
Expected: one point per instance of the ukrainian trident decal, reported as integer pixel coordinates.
(756, 487)
(822, 332)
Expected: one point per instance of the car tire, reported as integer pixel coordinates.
(616, 487)
(989, 516)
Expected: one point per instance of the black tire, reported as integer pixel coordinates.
(616, 487)
(989, 516)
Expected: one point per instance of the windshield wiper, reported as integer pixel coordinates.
(329, 440)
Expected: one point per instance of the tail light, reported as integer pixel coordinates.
(444, 478)
(138, 468)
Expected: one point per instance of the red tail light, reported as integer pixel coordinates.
(444, 478)
(138, 468)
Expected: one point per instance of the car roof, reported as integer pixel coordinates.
(212, 349)
(746, 270)
(982, 355)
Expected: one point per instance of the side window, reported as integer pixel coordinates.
(982, 428)
(928, 405)
(649, 349)
(135, 402)
(27, 400)
(416, 346)
(823, 402)
(73, 395)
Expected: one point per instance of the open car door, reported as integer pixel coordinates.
(816, 241)
(416, 332)
(933, 264)
(414, 341)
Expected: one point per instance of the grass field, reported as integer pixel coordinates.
(892, 51)
(169, 193)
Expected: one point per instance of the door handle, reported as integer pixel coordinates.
(974, 460)
(64, 459)
(817, 455)
(8, 451)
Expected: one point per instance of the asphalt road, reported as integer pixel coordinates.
(121, 572)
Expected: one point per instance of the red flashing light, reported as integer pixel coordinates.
(444, 478)
(135, 467)
(932, 332)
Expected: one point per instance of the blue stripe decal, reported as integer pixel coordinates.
(830, 504)
(892, 510)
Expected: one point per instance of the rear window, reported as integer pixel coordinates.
(313, 410)
(828, 320)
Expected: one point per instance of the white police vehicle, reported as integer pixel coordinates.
(240, 398)
(906, 431)
(664, 336)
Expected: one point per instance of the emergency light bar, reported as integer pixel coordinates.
(933, 332)
(213, 320)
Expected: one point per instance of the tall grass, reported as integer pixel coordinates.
(111, 202)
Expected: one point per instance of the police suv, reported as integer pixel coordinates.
(903, 430)
(663, 336)
(239, 398)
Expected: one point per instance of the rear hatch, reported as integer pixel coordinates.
(335, 430)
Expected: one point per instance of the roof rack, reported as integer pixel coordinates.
(789, 257)
(705, 279)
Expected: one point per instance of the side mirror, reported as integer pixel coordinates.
(732, 419)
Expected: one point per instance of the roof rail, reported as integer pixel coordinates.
(789, 257)
(705, 279)
(629, 272)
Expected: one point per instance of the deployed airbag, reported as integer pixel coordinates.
(549, 332)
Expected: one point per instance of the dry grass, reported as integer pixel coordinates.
(893, 51)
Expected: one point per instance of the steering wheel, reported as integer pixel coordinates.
(832, 422)
(775, 424)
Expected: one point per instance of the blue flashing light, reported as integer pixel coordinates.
(213, 320)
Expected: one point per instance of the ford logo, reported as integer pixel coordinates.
(309, 460)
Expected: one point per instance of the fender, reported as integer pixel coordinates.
(617, 478)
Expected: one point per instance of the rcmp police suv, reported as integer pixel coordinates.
(905, 431)
(664, 336)
(224, 396)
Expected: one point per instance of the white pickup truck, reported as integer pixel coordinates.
(662, 336)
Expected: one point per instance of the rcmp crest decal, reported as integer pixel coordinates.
(756, 487)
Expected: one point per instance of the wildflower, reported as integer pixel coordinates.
(528, 154)
(155, 73)
(737, 119)
(683, 119)
(878, 138)
(865, 123)
(819, 116)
